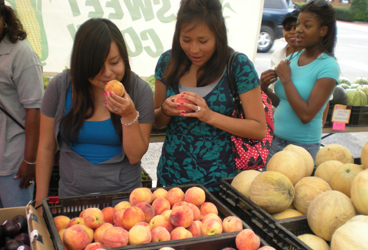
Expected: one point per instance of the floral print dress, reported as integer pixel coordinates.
(196, 152)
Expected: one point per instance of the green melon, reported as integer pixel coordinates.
(356, 97)
(361, 80)
(344, 80)
(344, 85)
(364, 88)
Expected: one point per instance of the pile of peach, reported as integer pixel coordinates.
(149, 217)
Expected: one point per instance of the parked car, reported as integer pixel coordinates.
(274, 12)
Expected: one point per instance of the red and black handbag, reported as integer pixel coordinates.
(249, 153)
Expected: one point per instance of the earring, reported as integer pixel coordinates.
(5, 25)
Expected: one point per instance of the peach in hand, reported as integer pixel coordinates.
(247, 240)
(116, 87)
(179, 100)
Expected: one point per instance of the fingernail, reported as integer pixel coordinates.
(111, 92)
(181, 114)
(105, 103)
(181, 103)
(105, 94)
(182, 95)
(183, 111)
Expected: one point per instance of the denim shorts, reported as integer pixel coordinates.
(11, 195)
(279, 144)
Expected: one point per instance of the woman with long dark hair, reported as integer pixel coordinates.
(197, 147)
(306, 80)
(101, 136)
(21, 89)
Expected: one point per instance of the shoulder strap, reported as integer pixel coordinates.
(11, 117)
(230, 73)
(232, 84)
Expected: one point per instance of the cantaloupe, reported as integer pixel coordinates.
(287, 213)
(314, 242)
(328, 211)
(343, 177)
(302, 152)
(334, 152)
(326, 169)
(272, 191)
(242, 181)
(351, 235)
(364, 156)
(359, 192)
(306, 189)
(359, 217)
(288, 163)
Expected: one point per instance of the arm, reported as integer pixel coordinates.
(135, 137)
(161, 102)
(26, 171)
(267, 78)
(253, 127)
(45, 158)
(305, 110)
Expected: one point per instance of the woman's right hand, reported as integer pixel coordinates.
(267, 77)
(170, 107)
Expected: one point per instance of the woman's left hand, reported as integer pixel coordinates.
(26, 173)
(198, 107)
(283, 71)
(121, 105)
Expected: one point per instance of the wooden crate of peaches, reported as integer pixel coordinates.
(147, 219)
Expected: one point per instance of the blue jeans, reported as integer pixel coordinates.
(11, 195)
(279, 144)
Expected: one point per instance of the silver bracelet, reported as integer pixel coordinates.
(130, 123)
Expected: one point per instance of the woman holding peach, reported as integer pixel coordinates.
(193, 99)
(101, 135)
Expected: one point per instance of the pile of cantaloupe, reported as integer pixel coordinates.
(334, 198)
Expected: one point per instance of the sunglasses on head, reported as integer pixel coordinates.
(318, 3)
(289, 27)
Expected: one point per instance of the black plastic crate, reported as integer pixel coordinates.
(262, 222)
(358, 116)
(55, 177)
(297, 225)
(72, 206)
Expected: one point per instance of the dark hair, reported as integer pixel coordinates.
(290, 17)
(14, 28)
(208, 12)
(326, 16)
(91, 47)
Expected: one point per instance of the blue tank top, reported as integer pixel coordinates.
(97, 141)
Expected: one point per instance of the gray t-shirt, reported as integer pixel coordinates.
(79, 176)
(21, 88)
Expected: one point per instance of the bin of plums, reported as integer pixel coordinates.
(14, 234)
